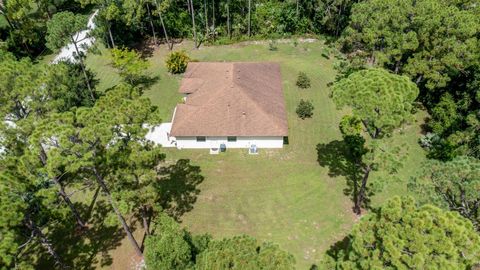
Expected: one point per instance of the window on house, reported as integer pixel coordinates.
(231, 139)
(201, 138)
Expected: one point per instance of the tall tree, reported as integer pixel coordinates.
(194, 27)
(401, 236)
(249, 17)
(428, 40)
(29, 93)
(229, 27)
(63, 29)
(32, 211)
(112, 150)
(109, 11)
(160, 9)
(130, 65)
(453, 185)
(382, 101)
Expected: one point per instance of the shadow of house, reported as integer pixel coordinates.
(178, 187)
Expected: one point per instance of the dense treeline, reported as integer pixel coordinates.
(127, 22)
(23, 23)
(434, 43)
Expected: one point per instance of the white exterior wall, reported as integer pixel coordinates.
(242, 142)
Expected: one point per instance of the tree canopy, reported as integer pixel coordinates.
(171, 247)
(382, 100)
(401, 235)
(453, 185)
(428, 40)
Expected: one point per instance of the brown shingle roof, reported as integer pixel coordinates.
(231, 99)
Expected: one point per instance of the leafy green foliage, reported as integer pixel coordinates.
(272, 45)
(111, 149)
(62, 27)
(453, 185)
(171, 247)
(302, 80)
(382, 100)
(444, 115)
(442, 38)
(455, 120)
(29, 91)
(401, 236)
(177, 62)
(305, 109)
(168, 247)
(130, 65)
(350, 125)
(23, 24)
(244, 252)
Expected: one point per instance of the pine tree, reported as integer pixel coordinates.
(401, 235)
(382, 101)
(453, 185)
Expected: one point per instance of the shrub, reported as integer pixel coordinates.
(130, 65)
(272, 45)
(305, 109)
(303, 81)
(177, 62)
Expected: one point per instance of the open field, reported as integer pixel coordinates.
(284, 196)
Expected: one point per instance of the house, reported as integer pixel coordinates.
(234, 104)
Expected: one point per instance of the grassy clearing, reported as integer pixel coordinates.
(283, 195)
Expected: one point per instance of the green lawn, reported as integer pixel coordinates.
(284, 195)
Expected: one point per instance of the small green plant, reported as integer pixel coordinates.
(272, 45)
(305, 109)
(177, 62)
(303, 81)
(326, 53)
(295, 43)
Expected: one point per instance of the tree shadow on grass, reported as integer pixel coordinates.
(88, 248)
(146, 81)
(336, 156)
(178, 187)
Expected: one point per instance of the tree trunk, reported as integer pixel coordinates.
(361, 192)
(146, 227)
(8, 20)
(249, 16)
(63, 194)
(190, 2)
(397, 67)
(297, 9)
(45, 243)
(82, 65)
(111, 35)
(151, 25)
(419, 79)
(228, 20)
(105, 189)
(61, 191)
(213, 19)
(206, 17)
(169, 44)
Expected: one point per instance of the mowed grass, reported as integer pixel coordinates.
(282, 195)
